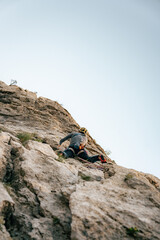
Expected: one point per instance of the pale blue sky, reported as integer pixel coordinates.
(100, 59)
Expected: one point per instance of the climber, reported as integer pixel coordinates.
(77, 146)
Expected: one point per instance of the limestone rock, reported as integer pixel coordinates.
(43, 196)
(22, 111)
(6, 208)
(112, 209)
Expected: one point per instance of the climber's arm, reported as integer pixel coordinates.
(65, 138)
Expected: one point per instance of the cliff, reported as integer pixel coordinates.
(43, 196)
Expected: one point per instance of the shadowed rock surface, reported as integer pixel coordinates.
(43, 196)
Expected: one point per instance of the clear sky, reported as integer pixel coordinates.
(100, 59)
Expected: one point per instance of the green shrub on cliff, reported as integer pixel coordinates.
(24, 137)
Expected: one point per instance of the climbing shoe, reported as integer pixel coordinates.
(102, 159)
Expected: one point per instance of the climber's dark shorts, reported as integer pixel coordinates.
(71, 152)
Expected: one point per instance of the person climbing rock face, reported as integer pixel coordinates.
(78, 141)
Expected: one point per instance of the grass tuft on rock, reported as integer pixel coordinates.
(128, 176)
(86, 178)
(24, 137)
(132, 231)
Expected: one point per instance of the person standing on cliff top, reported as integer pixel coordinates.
(78, 140)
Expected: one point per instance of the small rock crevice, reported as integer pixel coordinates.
(10, 166)
(109, 171)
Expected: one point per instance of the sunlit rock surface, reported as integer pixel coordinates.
(43, 196)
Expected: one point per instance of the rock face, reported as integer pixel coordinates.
(22, 111)
(43, 196)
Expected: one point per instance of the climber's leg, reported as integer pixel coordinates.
(83, 154)
(68, 153)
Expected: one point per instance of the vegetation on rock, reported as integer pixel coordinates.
(24, 137)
